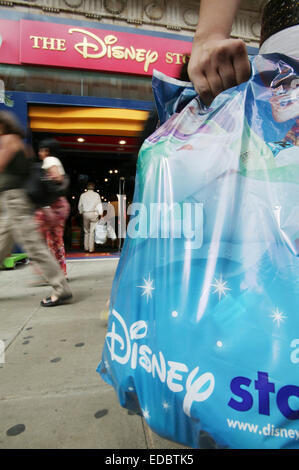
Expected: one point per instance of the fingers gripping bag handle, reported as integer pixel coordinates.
(202, 338)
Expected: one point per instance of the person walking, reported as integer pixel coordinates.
(90, 207)
(17, 224)
(51, 220)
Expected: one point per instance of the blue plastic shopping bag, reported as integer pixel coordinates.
(203, 332)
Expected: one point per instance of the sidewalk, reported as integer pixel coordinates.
(51, 396)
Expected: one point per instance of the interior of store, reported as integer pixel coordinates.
(92, 149)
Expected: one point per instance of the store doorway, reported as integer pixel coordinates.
(108, 160)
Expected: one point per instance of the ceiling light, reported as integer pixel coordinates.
(106, 179)
(80, 139)
(115, 171)
(122, 142)
(110, 171)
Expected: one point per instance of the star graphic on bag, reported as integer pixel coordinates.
(145, 413)
(166, 405)
(148, 287)
(220, 287)
(278, 316)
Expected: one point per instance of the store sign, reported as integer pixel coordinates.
(9, 49)
(63, 45)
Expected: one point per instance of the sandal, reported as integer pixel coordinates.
(48, 302)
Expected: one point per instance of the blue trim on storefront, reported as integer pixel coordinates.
(75, 100)
(20, 101)
(17, 15)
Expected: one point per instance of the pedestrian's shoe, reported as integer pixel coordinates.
(48, 302)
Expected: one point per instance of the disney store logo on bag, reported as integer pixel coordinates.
(240, 388)
(125, 348)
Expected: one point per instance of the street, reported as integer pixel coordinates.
(51, 396)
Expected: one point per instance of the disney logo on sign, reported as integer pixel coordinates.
(93, 47)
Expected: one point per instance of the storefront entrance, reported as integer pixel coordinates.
(98, 145)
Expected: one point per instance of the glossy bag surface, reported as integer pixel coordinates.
(203, 331)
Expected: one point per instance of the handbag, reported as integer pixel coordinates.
(41, 189)
(100, 234)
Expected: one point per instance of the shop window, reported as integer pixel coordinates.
(76, 82)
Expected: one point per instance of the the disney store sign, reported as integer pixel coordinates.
(92, 46)
(64, 45)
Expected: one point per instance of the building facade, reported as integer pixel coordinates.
(38, 54)
(158, 15)
(83, 68)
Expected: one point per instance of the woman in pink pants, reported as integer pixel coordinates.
(51, 219)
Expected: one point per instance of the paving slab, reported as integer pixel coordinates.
(77, 419)
(51, 396)
(55, 355)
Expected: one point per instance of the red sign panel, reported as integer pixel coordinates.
(9, 41)
(63, 45)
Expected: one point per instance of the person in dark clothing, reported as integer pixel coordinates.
(17, 224)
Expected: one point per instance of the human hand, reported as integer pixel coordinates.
(216, 64)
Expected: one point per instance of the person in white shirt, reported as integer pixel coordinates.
(90, 207)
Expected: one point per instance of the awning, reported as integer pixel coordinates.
(85, 120)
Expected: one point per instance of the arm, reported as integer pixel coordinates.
(54, 173)
(217, 62)
(10, 144)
